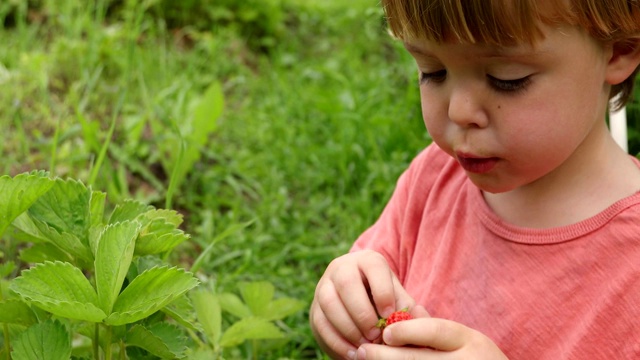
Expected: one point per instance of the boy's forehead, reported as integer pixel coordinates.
(428, 49)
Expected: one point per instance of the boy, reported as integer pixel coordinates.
(517, 233)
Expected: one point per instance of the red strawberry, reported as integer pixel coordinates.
(399, 315)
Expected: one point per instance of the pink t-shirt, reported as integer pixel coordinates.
(571, 292)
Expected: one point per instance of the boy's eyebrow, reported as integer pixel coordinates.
(414, 49)
(491, 52)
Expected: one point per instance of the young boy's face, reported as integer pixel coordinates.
(513, 115)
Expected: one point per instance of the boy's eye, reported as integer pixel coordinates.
(508, 85)
(436, 76)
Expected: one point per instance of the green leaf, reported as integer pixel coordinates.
(26, 229)
(16, 312)
(182, 311)
(61, 289)
(196, 130)
(206, 114)
(251, 328)
(208, 313)
(39, 253)
(96, 208)
(159, 232)
(48, 340)
(113, 258)
(17, 194)
(161, 339)
(257, 295)
(149, 292)
(66, 208)
(153, 244)
(203, 354)
(128, 210)
(281, 308)
(63, 216)
(7, 268)
(65, 241)
(232, 304)
(169, 216)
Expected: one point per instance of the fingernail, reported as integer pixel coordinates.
(386, 337)
(362, 353)
(387, 311)
(351, 354)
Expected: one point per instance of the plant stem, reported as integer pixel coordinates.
(255, 349)
(7, 344)
(5, 330)
(123, 351)
(96, 342)
(107, 343)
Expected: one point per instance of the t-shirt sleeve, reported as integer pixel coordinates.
(384, 235)
(392, 234)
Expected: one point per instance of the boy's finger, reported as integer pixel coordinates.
(334, 311)
(383, 284)
(441, 334)
(355, 297)
(403, 299)
(332, 340)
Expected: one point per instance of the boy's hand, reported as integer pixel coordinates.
(353, 290)
(431, 338)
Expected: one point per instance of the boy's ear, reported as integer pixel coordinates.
(625, 58)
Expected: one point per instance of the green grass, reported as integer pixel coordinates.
(320, 117)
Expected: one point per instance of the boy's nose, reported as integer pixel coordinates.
(466, 109)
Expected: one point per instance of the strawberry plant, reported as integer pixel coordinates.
(91, 276)
(256, 311)
(98, 288)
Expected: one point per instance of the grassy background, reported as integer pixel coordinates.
(320, 116)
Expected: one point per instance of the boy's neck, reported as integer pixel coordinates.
(588, 183)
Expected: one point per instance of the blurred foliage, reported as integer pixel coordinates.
(260, 22)
(633, 121)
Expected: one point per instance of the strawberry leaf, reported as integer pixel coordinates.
(149, 292)
(65, 241)
(39, 253)
(161, 339)
(281, 308)
(96, 208)
(65, 208)
(64, 216)
(208, 313)
(234, 305)
(251, 328)
(61, 289)
(17, 194)
(182, 311)
(257, 296)
(16, 312)
(113, 258)
(159, 232)
(48, 340)
(128, 210)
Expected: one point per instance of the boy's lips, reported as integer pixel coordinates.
(475, 164)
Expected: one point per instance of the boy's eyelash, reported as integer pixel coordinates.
(436, 76)
(509, 85)
(499, 85)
